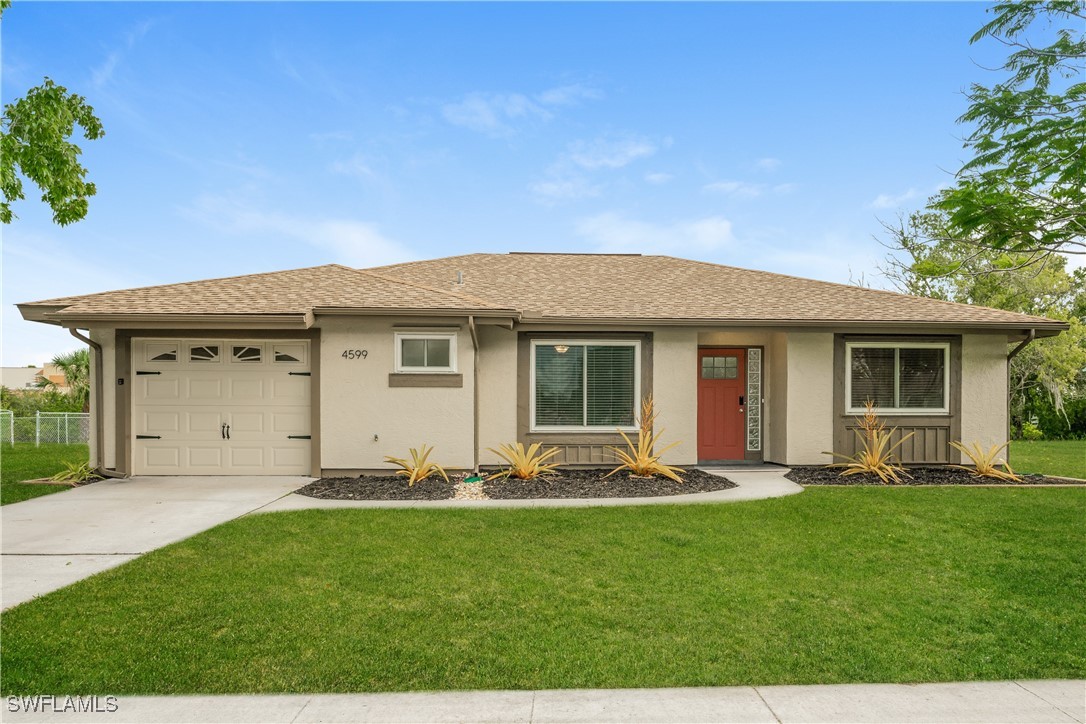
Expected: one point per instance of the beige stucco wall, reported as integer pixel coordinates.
(357, 402)
(675, 392)
(108, 339)
(497, 391)
(809, 427)
(776, 408)
(984, 389)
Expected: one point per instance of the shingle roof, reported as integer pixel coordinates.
(548, 286)
(596, 286)
(297, 291)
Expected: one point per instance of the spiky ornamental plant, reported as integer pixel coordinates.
(642, 459)
(419, 467)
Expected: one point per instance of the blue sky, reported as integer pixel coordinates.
(248, 137)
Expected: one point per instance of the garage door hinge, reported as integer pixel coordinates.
(148, 437)
(300, 374)
(299, 437)
(147, 372)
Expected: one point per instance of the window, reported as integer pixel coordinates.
(584, 385)
(426, 352)
(160, 351)
(899, 377)
(289, 352)
(247, 353)
(204, 353)
(719, 368)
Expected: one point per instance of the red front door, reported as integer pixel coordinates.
(722, 382)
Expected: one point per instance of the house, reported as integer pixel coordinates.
(32, 378)
(326, 370)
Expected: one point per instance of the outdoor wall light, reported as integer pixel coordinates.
(561, 348)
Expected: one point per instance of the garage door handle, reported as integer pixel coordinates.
(148, 437)
(299, 437)
(147, 372)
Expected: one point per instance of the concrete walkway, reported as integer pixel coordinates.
(1003, 701)
(751, 485)
(55, 540)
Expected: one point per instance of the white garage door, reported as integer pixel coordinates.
(221, 407)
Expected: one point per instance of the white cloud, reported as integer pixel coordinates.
(609, 151)
(558, 188)
(569, 177)
(354, 166)
(493, 113)
(568, 95)
(102, 74)
(352, 242)
(891, 201)
(735, 188)
(767, 164)
(658, 178)
(612, 232)
(499, 114)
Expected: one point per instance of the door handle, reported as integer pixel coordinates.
(227, 432)
(222, 431)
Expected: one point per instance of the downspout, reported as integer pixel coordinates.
(1029, 338)
(475, 394)
(99, 426)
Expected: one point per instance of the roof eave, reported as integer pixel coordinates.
(1045, 328)
(298, 320)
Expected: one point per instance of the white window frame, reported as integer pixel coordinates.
(635, 343)
(401, 368)
(944, 410)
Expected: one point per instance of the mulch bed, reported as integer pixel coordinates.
(817, 475)
(566, 484)
(378, 487)
(591, 484)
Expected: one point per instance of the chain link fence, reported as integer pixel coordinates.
(64, 428)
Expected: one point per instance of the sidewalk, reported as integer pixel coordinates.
(999, 701)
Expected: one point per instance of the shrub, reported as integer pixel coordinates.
(524, 464)
(876, 454)
(75, 473)
(640, 459)
(419, 467)
(1031, 432)
(986, 462)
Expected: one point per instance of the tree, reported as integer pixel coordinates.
(76, 368)
(960, 271)
(34, 133)
(1024, 190)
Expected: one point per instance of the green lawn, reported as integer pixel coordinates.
(833, 585)
(1051, 457)
(26, 462)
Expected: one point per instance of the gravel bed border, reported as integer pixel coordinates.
(811, 475)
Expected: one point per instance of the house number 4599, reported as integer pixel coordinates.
(355, 354)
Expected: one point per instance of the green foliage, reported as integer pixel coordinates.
(76, 368)
(34, 133)
(927, 261)
(26, 462)
(75, 473)
(1031, 432)
(24, 403)
(1023, 189)
(418, 467)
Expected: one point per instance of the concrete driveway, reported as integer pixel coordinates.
(53, 541)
